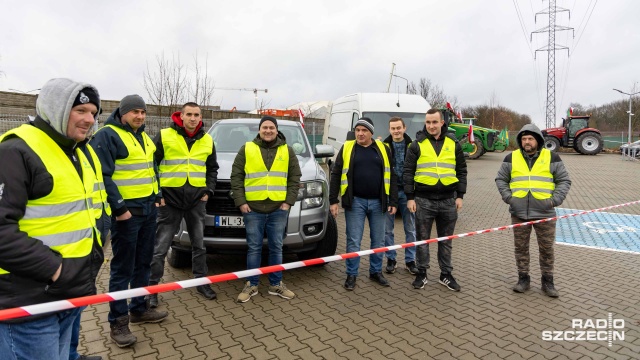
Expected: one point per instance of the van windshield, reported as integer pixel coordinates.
(229, 137)
(413, 121)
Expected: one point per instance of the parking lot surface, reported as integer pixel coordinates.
(486, 320)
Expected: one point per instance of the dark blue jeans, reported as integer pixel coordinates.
(273, 225)
(444, 213)
(169, 219)
(103, 224)
(46, 338)
(409, 222)
(362, 209)
(132, 244)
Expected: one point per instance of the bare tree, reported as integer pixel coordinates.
(263, 104)
(171, 83)
(433, 93)
(201, 90)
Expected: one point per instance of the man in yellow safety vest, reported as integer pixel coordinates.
(435, 181)
(50, 248)
(186, 158)
(533, 181)
(265, 180)
(126, 153)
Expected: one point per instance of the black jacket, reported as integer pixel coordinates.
(347, 198)
(187, 196)
(109, 147)
(30, 263)
(438, 191)
(389, 142)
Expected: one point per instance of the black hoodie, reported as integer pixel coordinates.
(439, 191)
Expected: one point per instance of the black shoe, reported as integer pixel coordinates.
(89, 357)
(524, 283)
(391, 266)
(153, 301)
(149, 316)
(448, 281)
(379, 278)
(350, 284)
(547, 286)
(411, 267)
(120, 333)
(207, 292)
(421, 279)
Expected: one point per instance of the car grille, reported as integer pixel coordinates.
(221, 203)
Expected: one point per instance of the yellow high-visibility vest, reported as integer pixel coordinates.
(134, 175)
(180, 163)
(64, 219)
(99, 191)
(260, 183)
(432, 168)
(346, 161)
(538, 180)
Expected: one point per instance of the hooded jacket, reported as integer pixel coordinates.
(439, 191)
(187, 196)
(407, 141)
(347, 198)
(530, 208)
(30, 263)
(268, 152)
(109, 147)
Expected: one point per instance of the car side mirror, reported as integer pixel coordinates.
(323, 151)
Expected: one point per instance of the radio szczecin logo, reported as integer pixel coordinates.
(608, 330)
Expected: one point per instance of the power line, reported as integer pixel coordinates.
(585, 25)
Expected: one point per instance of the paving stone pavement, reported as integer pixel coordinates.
(486, 320)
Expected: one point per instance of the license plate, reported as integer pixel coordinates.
(229, 221)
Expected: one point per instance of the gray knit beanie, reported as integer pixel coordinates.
(132, 102)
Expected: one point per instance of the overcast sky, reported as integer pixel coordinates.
(321, 50)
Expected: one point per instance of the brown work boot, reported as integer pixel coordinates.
(149, 316)
(120, 333)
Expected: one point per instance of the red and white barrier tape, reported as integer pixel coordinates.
(60, 305)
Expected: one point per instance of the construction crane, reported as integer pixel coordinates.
(255, 92)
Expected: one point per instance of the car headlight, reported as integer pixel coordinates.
(310, 193)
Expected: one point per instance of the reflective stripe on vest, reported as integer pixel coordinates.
(260, 183)
(100, 202)
(64, 219)
(134, 175)
(432, 168)
(538, 180)
(180, 163)
(347, 149)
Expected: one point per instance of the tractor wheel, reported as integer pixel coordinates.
(478, 149)
(551, 143)
(589, 143)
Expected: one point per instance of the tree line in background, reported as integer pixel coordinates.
(490, 115)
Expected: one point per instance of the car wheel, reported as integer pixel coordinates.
(327, 246)
(178, 258)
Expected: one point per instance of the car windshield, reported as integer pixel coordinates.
(229, 137)
(413, 121)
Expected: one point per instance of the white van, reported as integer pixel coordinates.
(379, 107)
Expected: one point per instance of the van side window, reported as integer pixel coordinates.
(354, 119)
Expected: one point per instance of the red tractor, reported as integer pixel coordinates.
(575, 133)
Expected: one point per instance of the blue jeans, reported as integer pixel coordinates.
(370, 209)
(44, 338)
(273, 225)
(132, 244)
(103, 224)
(409, 222)
(169, 219)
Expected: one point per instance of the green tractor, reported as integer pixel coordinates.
(485, 140)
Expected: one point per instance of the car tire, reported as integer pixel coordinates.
(327, 246)
(178, 258)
